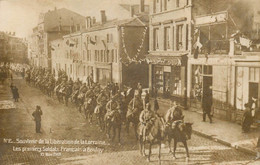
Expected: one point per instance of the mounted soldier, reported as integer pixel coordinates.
(112, 107)
(147, 118)
(173, 114)
(133, 112)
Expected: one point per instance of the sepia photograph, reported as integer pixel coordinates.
(129, 82)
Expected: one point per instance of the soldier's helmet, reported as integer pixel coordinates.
(148, 106)
(38, 107)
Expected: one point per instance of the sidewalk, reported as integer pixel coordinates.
(225, 132)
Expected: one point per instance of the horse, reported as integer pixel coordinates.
(156, 136)
(180, 132)
(132, 116)
(114, 121)
(89, 106)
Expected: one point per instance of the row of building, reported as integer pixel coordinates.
(12, 48)
(184, 50)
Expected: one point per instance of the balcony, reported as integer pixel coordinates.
(216, 47)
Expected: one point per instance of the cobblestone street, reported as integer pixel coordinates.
(66, 123)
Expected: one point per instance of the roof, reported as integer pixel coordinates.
(63, 17)
(135, 8)
(135, 21)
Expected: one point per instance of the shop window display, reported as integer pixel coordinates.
(197, 82)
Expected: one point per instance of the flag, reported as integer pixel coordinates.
(92, 42)
(245, 42)
(104, 43)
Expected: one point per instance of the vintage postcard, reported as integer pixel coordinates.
(129, 82)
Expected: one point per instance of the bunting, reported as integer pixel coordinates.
(135, 57)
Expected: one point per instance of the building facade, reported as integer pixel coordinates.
(12, 48)
(170, 44)
(52, 25)
(222, 66)
(110, 50)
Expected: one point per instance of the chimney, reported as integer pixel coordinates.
(131, 11)
(93, 20)
(88, 22)
(13, 33)
(103, 16)
(141, 7)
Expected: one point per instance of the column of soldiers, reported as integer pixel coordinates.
(104, 102)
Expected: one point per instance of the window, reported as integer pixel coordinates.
(166, 38)
(187, 37)
(173, 38)
(154, 6)
(177, 3)
(102, 56)
(108, 56)
(84, 54)
(177, 81)
(70, 68)
(179, 37)
(84, 70)
(115, 56)
(156, 39)
(109, 38)
(254, 74)
(112, 54)
(165, 4)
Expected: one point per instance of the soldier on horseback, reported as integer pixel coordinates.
(146, 119)
(173, 114)
(112, 107)
(135, 105)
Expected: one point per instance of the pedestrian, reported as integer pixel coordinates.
(155, 105)
(258, 149)
(247, 119)
(37, 118)
(139, 88)
(147, 97)
(15, 94)
(207, 105)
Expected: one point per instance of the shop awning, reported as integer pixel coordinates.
(164, 60)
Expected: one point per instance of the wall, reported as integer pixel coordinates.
(134, 37)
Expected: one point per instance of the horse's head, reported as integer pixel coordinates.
(187, 130)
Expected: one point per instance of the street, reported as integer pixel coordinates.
(66, 123)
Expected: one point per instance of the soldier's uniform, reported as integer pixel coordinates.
(135, 106)
(112, 106)
(146, 119)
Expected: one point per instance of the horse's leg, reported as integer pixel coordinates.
(186, 148)
(174, 149)
(169, 143)
(119, 132)
(135, 129)
(114, 132)
(141, 145)
(159, 153)
(127, 126)
(150, 152)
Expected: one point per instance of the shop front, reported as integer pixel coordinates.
(167, 77)
(247, 86)
(103, 74)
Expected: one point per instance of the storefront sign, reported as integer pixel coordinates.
(214, 18)
(167, 68)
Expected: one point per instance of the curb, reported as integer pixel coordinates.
(199, 133)
(237, 147)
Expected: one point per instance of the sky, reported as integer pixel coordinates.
(20, 16)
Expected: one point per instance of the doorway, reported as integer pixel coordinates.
(207, 90)
(253, 90)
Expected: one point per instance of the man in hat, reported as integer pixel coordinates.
(136, 105)
(112, 106)
(37, 118)
(146, 119)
